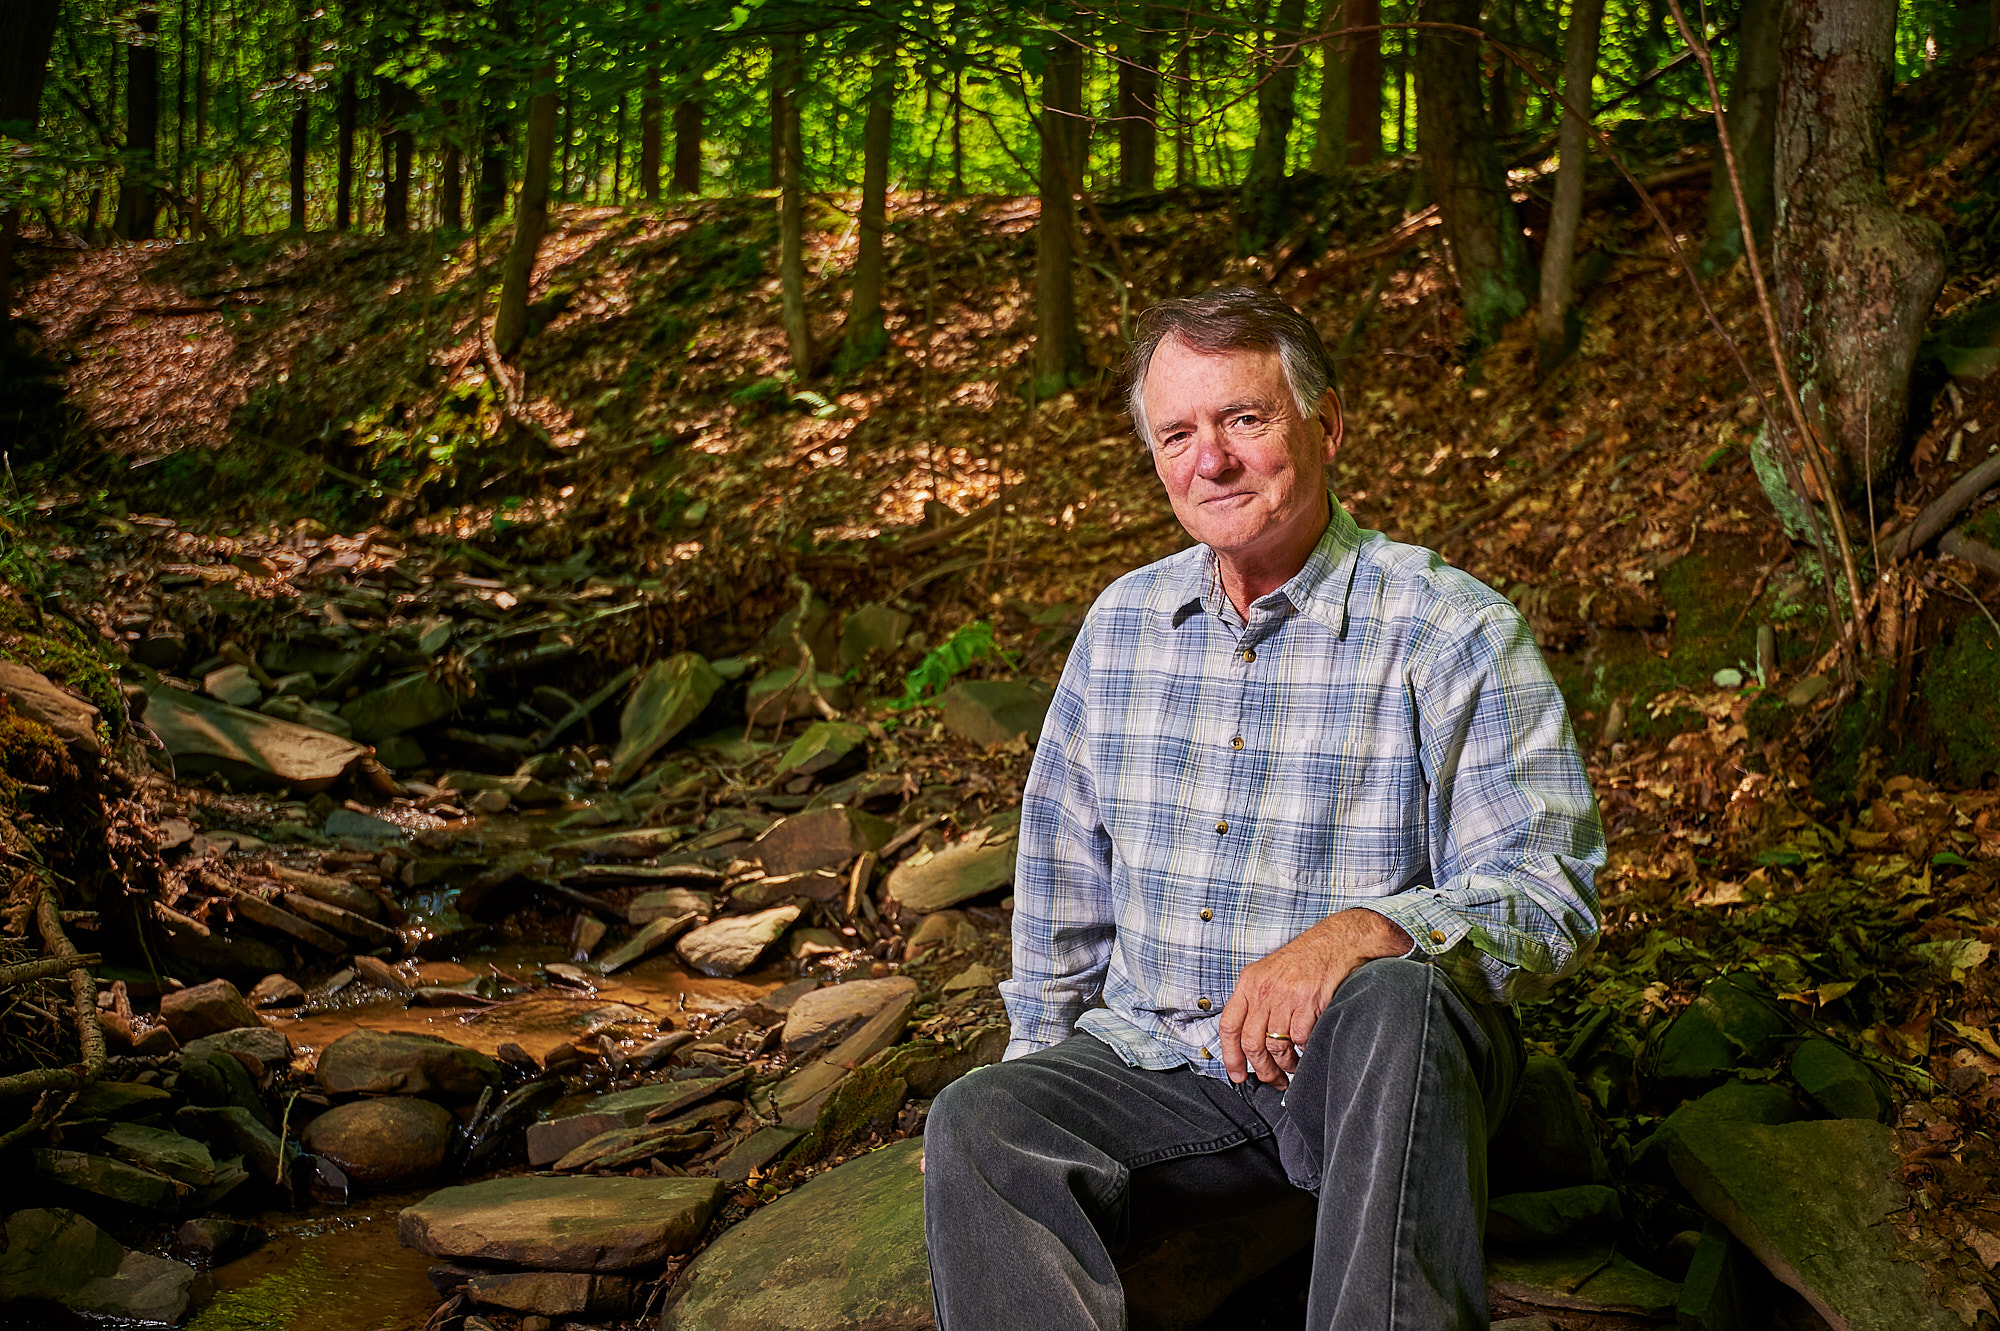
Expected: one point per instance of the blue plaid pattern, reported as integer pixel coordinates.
(1381, 732)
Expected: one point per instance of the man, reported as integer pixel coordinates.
(1305, 816)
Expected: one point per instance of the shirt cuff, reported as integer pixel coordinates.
(1020, 1045)
(1433, 926)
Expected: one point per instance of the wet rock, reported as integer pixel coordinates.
(272, 916)
(57, 1256)
(1732, 1102)
(550, 1141)
(261, 1048)
(667, 903)
(332, 890)
(210, 1240)
(119, 1100)
(1548, 1217)
(814, 885)
(815, 1014)
(669, 695)
(995, 711)
(364, 830)
(206, 1009)
(220, 1080)
(1734, 1020)
(368, 1062)
(826, 748)
(169, 1154)
(1839, 1083)
(1585, 1277)
(100, 1176)
(647, 941)
(358, 928)
(33, 697)
(621, 1148)
(662, 1099)
(798, 1098)
(403, 704)
(755, 1152)
(731, 946)
(233, 684)
(385, 1143)
(380, 974)
(777, 1005)
(1547, 1139)
(234, 1130)
(552, 1293)
(1810, 1200)
(203, 736)
(975, 864)
(778, 695)
(871, 631)
(210, 953)
(820, 839)
(563, 1224)
(945, 929)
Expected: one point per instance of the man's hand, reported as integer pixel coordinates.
(1284, 993)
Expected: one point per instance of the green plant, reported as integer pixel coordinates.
(954, 656)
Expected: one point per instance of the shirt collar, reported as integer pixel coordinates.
(1318, 590)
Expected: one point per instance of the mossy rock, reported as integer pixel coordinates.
(1962, 683)
(56, 648)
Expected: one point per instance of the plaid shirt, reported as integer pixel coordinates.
(1381, 732)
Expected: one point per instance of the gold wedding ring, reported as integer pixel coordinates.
(1277, 1035)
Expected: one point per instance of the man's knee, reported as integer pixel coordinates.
(1389, 988)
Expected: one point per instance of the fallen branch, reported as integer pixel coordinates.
(1972, 550)
(44, 968)
(89, 1035)
(1941, 512)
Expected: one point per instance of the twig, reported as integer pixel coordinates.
(1971, 549)
(44, 968)
(1974, 599)
(1942, 511)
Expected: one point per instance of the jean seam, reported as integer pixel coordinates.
(1177, 1152)
(1409, 1147)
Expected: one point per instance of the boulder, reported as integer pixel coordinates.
(384, 1143)
(403, 704)
(206, 1009)
(1549, 1217)
(869, 632)
(216, 1079)
(365, 1062)
(179, 1158)
(1839, 1083)
(70, 719)
(1733, 1020)
(827, 747)
(975, 864)
(276, 990)
(267, 1049)
(234, 1130)
(815, 1014)
(820, 839)
(100, 1176)
(550, 1141)
(756, 1151)
(732, 945)
(1812, 1201)
(1547, 1139)
(669, 695)
(58, 1257)
(799, 1096)
(208, 1240)
(552, 1293)
(994, 711)
(1732, 1102)
(1585, 1277)
(590, 1223)
(203, 735)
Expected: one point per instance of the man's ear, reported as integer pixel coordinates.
(1331, 420)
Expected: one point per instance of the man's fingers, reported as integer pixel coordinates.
(1231, 1034)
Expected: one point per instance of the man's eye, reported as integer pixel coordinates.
(1243, 421)
(1174, 443)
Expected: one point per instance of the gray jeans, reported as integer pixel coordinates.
(1041, 1173)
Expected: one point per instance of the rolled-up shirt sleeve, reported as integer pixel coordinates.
(1515, 838)
(1063, 915)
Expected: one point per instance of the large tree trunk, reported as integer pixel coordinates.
(347, 111)
(1261, 212)
(398, 146)
(1586, 23)
(1364, 83)
(27, 32)
(1455, 138)
(138, 201)
(1752, 119)
(649, 133)
(1139, 108)
(864, 336)
(1856, 278)
(687, 145)
(1330, 128)
(786, 73)
(301, 113)
(531, 217)
(1059, 360)
(489, 195)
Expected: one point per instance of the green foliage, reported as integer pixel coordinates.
(949, 659)
(1961, 687)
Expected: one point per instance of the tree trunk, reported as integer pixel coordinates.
(1364, 83)
(786, 73)
(1586, 23)
(776, 119)
(649, 133)
(398, 143)
(1330, 131)
(1856, 279)
(489, 194)
(531, 217)
(687, 146)
(1059, 360)
(1455, 138)
(865, 337)
(451, 186)
(301, 112)
(1261, 212)
(343, 188)
(1139, 109)
(138, 202)
(1752, 121)
(27, 33)
(1500, 95)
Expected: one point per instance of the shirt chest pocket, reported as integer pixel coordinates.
(1348, 819)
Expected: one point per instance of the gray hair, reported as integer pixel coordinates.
(1231, 319)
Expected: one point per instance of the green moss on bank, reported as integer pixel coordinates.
(1961, 688)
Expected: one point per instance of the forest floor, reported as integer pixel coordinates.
(287, 438)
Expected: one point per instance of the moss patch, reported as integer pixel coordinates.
(1962, 682)
(269, 1303)
(55, 647)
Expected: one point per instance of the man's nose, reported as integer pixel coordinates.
(1212, 456)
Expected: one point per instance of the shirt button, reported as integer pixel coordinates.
(1249, 654)
(1220, 828)
(1236, 743)
(1207, 914)
(1205, 1053)
(1437, 935)
(1203, 1004)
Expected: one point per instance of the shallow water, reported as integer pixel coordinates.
(325, 1271)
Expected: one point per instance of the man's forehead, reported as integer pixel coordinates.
(1177, 368)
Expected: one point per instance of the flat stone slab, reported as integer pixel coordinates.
(1589, 1277)
(365, 1062)
(208, 736)
(60, 1257)
(1811, 1201)
(731, 945)
(670, 694)
(977, 863)
(563, 1224)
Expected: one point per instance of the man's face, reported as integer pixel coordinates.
(1245, 473)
